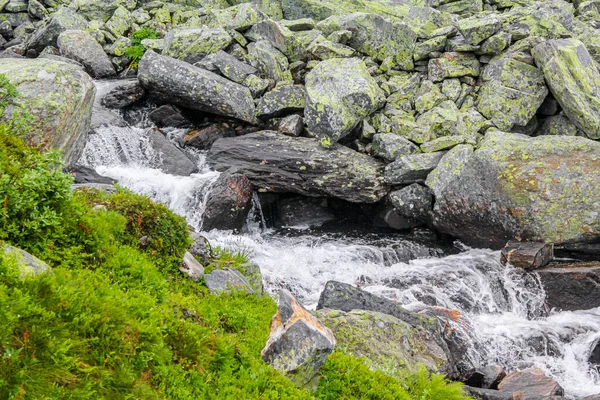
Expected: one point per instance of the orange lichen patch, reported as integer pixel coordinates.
(453, 314)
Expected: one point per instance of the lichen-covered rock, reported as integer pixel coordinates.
(298, 344)
(443, 120)
(412, 168)
(225, 280)
(512, 92)
(427, 22)
(82, 47)
(478, 28)
(181, 83)
(448, 169)
(192, 45)
(62, 20)
(549, 19)
(325, 49)
(443, 143)
(228, 202)
(120, 22)
(428, 96)
(390, 146)
(574, 81)
(232, 68)
(558, 124)
(571, 287)
(278, 163)
(282, 100)
(124, 94)
(495, 44)
(270, 61)
(27, 264)
(340, 94)
(384, 340)
(59, 96)
(413, 201)
(453, 65)
(539, 189)
(291, 125)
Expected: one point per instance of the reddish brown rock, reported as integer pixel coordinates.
(228, 202)
(527, 255)
(532, 384)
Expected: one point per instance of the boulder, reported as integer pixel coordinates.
(227, 203)
(28, 264)
(62, 20)
(83, 174)
(390, 146)
(278, 163)
(532, 383)
(572, 287)
(270, 61)
(512, 92)
(574, 80)
(120, 22)
(59, 96)
(478, 28)
(384, 340)
(411, 168)
(180, 83)
(124, 94)
(283, 99)
(538, 189)
(298, 344)
(193, 44)
(225, 280)
(232, 68)
(340, 94)
(83, 48)
(527, 255)
(487, 394)
(548, 19)
(413, 201)
(172, 160)
(191, 267)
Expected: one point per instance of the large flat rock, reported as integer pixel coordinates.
(278, 163)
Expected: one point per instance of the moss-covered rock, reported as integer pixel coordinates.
(59, 96)
(512, 93)
(27, 264)
(574, 81)
(340, 94)
(538, 189)
(192, 45)
(388, 343)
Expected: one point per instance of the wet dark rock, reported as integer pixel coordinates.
(169, 115)
(573, 286)
(204, 138)
(228, 202)
(486, 378)
(83, 174)
(527, 255)
(180, 83)
(594, 358)
(303, 212)
(124, 95)
(488, 394)
(298, 344)
(532, 383)
(173, 161)
(413, 201)
(278, 163)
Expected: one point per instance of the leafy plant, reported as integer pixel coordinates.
(136, 51)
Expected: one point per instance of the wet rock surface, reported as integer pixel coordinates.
(572, 286)
(228, 202)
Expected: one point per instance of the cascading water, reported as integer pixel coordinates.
(503, 306)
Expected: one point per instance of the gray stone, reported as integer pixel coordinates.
(228, 202)
(571, 287)
(413, 201)
(390, 146)
(532, 383)
(37, 10)
(282, 100)
(173, 161)
(298, 344)
(231, 68)
(291, 125)
(192, 45)
(192, 268)
(574, 81)
(183, 84)
(278, 163)
(453, 65)
(81, 47)
(537, 189)
(270, 61)
(340, 94)
(411, 169)
(124, 94)
(303, 212)
(27, 264)
(478, 28)
(120, 22)
(559, 125)
(62, 20)
(548, 19)
(225, 280)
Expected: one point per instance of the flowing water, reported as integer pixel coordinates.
(503, 306)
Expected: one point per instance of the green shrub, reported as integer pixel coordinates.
(136, 50)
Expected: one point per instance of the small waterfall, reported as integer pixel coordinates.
(503, 307)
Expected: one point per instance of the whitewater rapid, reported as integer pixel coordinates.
(503, 305)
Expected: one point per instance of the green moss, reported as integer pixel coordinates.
(136, 50)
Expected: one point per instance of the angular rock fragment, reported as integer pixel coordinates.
(453, 65)
(478, 28)
(291, 125)
(412, 168)
(270, 61)
(413, 201)
(173, 161)
(63, 19)
(225, 280)
(340, 94)
(527, 255)
(180, 83)
(299, 344)
(123, 95)
(532, 383)
(82, 47)
(192, 45)
(191, 267)
(282, 100)
(390, 146)
(574, 81)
